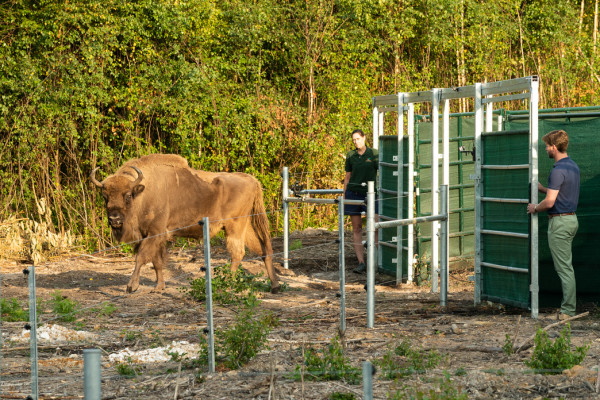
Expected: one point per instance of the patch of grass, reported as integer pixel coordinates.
(508, 346)
(553, 357)
(404, 360)
(106, 310)
(128, 368)
(12, 311)
(65, 309)
(342, 396)
(446, 391)
(228, 287)
(130, 336)
(460, 372)
(296, 245)
(327, 365)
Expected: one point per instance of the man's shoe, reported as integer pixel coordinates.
(361, 269)
(562, 316)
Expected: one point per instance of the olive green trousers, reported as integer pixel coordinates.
(561, 231)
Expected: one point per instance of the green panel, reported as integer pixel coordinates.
(507, 217)
(389, 267)
(506, 251)
(506, 183)
(583, 142)
(506, 287)
(505, 149)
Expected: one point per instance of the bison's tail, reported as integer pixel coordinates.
(260, 222)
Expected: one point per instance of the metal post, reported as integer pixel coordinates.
(92, 374)
(444, 246)
(400, 192)
(533, 135)
(370, 254)
(209, 307)
(286, 218)
(367, 375)
(478, 193)
(411, 187)
(342, 264)
(444, 240)
(435, 168)
(33, 334)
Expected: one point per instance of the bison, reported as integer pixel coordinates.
(155, 197)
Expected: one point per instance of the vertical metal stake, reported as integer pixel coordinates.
(370, 254)
(286, 218)
(444, 246)
(209, 307)
(367, 374)
(92, 374)
(33, 353)
(342, 264)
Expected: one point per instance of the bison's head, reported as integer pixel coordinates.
(119, 193)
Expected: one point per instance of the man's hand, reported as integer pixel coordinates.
(531, 208)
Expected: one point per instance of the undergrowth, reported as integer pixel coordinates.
(553, 357)
(404, 360)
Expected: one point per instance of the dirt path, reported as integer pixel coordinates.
(468, 339)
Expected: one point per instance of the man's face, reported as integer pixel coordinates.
(551, 150)
(358, 140)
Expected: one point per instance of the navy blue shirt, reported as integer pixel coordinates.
(564, 177)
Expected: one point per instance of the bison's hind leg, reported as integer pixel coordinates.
(266, 251)
(160, 261)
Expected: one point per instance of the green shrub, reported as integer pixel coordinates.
(327, 365)
(404, 360)
(128, 368)
(508, 346)
(65, 309)
(12, 311)
(553, 357)
(242, 341)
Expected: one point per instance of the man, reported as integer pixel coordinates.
(562, 196)
(361, 167)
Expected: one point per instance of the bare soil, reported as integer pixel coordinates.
(469, 338)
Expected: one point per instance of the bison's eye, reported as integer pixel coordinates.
(128, 198)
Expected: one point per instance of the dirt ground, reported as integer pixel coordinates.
(469, 338)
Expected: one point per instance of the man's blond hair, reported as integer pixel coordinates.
(558, 138)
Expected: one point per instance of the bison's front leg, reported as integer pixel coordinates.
(149, 250)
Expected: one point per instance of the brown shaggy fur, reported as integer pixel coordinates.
(172, 198)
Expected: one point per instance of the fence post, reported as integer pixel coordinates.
(286, 218)
(367, 375)
(92, 374)
(370, 254)
(342, 265)
(444, 246)
(209, 308)
(33, 353)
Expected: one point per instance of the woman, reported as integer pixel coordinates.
(361, 167)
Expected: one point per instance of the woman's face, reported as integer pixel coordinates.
(358, 140)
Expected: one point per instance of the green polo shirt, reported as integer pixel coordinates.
(363, 168)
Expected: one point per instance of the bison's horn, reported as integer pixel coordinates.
(139, 178)
(93, 178)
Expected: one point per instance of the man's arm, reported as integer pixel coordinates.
(545, 204)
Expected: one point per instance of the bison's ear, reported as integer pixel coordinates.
(137, 190)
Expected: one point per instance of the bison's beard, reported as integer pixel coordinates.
(117, 233)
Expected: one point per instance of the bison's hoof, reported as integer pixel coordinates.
(158, 289)
(275, 289)
(132, 288)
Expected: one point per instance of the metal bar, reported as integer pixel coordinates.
(367, 377)
(418, 97)
(384, 101)
(342, 264)
(533, 154)
(444, 273)
(478, 192)
(504, 267)
(370, 254)
(457, 93)
(516, 166)
(501, 200)
(489, 114)
(504, 133)
(33, 348)
(286, 217)
(506, 97)
(435, 198)
(320, 191)
(411, 189)
(403, 222)
(506, 86)
(310, 200)
(400, 183)
(391, 245)
(503, 233)
(209, 305)
(92, 374)
(557, 115)
(404, 194)
(387, 164)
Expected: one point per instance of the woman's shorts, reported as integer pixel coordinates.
(355, 209)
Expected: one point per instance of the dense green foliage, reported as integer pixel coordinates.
(246, 85)
(552, 357)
